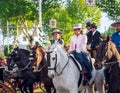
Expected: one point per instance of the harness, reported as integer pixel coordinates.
(78, 65)
(105, 60)
(55, 67)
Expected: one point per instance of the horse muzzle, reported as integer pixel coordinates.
(98, 66)
(10, 68)
(51, 76)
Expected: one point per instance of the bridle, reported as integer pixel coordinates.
(104, 59)
(17, 62)
(55, 66)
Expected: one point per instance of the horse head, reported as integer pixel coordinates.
(20, 57)
(38, 53)
(105, 52)
(11, 59)
(55, 55)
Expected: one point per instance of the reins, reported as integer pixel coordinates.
(110, 63)
(63, 68)
(55, 67)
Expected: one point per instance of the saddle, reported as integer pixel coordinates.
(77, 63)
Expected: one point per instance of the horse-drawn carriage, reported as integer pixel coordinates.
(21, 58)
(5, 85)
(57, 57)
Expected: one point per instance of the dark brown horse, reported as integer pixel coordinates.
(108, 56)
(42, 67)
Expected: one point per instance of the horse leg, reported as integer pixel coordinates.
(72, 90)
(99, 81)
(25, 87)
(48, 85)
(22, 85)
(91, 89)
(31, 87)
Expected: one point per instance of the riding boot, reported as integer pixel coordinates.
(85, 79)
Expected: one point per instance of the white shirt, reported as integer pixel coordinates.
(93, 33)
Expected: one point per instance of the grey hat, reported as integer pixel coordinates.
(116, 22)
(77, 26)
(56, 31)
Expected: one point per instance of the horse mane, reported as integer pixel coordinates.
(115, 51)
(41, 49)
(59, 47)
(100, 53)
(25, 51)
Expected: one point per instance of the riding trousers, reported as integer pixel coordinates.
(85, 60)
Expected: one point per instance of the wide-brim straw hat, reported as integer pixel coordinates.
(116, 22)
(56, 31)
(77, 26)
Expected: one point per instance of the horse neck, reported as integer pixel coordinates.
(67, 68)
(62, 58)
(24, 59)
(115, 51)
(41, 50)
(40, 54)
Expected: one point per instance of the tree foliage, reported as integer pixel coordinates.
(66, 14)
(111, 7)
(17, 10)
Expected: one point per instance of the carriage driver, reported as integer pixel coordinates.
(78, 49)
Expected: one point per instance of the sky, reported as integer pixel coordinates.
(105, 23)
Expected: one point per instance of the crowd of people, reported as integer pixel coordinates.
(87, 42)
(84, 46)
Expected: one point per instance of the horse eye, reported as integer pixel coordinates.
(53, 58)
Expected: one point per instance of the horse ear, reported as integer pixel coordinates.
(108, 38)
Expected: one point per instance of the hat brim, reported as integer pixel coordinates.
(93, 27)
(113, 24)
(56, 32)
(76, 28)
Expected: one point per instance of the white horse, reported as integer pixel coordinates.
(65, 73)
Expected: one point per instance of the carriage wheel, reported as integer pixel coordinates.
(10, 85)
(5, 89)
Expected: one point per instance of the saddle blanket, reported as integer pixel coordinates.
(76, 62)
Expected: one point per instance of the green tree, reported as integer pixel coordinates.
(111, 7)
(17, 11)
(74, 11)
(79, 12)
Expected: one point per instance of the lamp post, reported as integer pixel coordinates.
(40, 14)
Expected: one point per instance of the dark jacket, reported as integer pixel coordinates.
(89, 36)
(60, 41)
(95, 40)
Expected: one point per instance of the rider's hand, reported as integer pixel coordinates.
(69, 52)
(96, 47)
